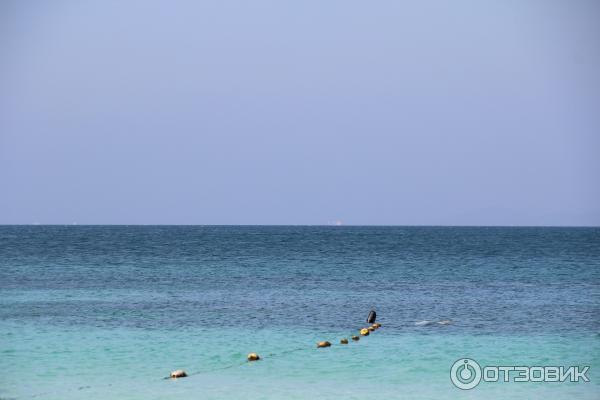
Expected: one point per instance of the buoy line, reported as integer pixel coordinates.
(182, 373)
(206, 371)
(237, 364)
(200, 372)
(253, 357)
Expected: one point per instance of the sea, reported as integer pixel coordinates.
(107, 312)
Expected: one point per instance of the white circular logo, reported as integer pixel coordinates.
(465, 373)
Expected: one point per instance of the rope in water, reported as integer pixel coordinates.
(270, 355)
(199, 372)
(240, 364)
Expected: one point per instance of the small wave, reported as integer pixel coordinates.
(427, 322)
(424, 323)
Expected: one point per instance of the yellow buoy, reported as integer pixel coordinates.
(364, 332)
(323, 344)
(355, 338)
(179, 373)
(344, 341)
(253, 357)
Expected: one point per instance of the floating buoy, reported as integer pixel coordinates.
(372, 316)
(323, 344)
(344, 341)
(364, 332)
(179, 373)
(377, 324)
(253, 357)
(355, 338)
(371, 329)
(374, 326)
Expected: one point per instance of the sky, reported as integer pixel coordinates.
(305, 112)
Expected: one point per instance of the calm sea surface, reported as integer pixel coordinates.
(105, 312)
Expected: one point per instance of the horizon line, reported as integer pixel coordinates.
(312, 225)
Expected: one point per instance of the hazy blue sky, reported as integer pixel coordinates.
(304, 112)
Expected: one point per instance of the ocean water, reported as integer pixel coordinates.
(106, 312)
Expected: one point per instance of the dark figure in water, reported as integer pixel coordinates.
(372, 316)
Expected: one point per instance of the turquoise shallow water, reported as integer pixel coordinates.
(107, 312)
